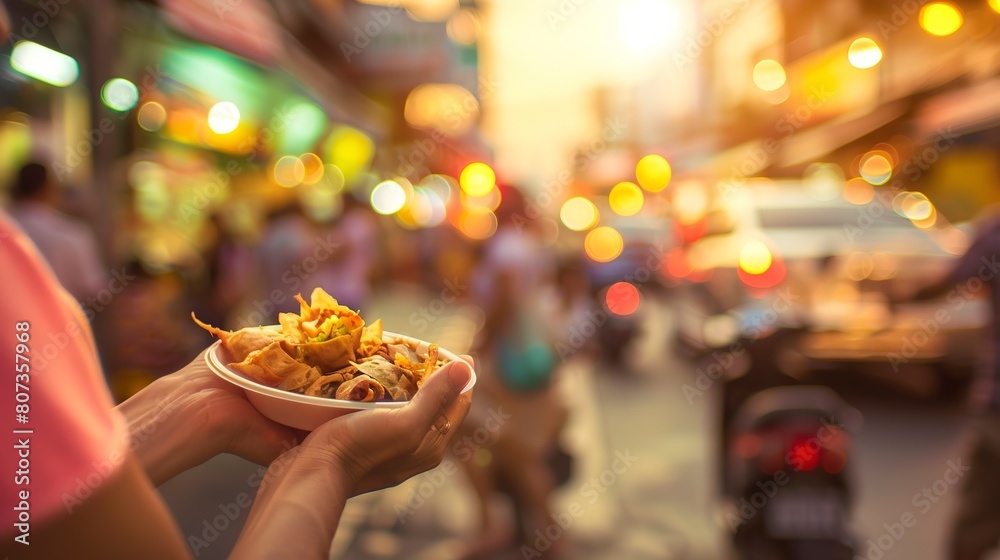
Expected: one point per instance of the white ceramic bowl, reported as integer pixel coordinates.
(306, 412)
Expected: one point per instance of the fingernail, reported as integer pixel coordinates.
(459, 374)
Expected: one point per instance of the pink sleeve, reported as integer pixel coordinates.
(60, 434)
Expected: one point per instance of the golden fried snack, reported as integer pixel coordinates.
(327, 350)
(244, 341)
(397, 381)
(362, 388)
(271, 365)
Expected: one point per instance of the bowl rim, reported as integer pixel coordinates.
(219, 368)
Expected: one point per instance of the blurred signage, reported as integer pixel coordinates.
(386, 43)
(243, 27)
(825, 85)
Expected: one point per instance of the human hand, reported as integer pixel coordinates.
(380, 448)
(300, 500)
(185, 418)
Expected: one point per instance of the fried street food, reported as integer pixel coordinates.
(326, 350)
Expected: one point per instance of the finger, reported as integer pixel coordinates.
(470, 359)
(434, 398)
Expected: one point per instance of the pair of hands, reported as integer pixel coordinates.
(186, 418)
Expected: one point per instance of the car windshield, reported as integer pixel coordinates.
(812, 217)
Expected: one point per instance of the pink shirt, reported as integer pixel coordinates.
(72, 439)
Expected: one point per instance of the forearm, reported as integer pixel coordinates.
(296, 513)
(168, 432)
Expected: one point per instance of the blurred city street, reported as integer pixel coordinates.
(730, 271)
(664, 506)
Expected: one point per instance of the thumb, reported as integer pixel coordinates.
(438, 392)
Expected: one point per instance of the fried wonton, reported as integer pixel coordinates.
(371, 339)
(241, 343)
(272, 365)
(329, 355)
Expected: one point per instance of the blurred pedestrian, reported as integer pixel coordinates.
(976, 526)
(517, 399)
(286, 253)
(68, 245)
(347, 272)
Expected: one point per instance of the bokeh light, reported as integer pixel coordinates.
(430, 10)
(388, 197)
(477, 223)
(44, 64)
(223, 117)
(622, 298)
(653, 173)
(579, 214)
(464, 27)
(477, 179)
(768, 74)
(151, 116)
(119, 94)
(490, 200)
(995, 4)
(755, 258)
(449, 108)
(864, 53)
(334, 177)
(626, 199)
(603, 244)
(913, 205)
(690, 202)
(312, 168)
(875, 168)
(940, 18)
(858, 191)
(289, 171)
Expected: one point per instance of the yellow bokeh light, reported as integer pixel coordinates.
(477, 179)
(289, 171)
(388, 197)
(916, 206)
(653, 173)
(351, 150)
(940, 18)
(223, 117)
(995, 4)
(579, 214)
(603, 244)
(864, 53)
(755, 258)
(875, 168)
(430, 10)
(858, 191)
(464, 27)
(768, 74)
(477, 223)
(152, 116)
(626, 199)
(312, 168)
(449, 108)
